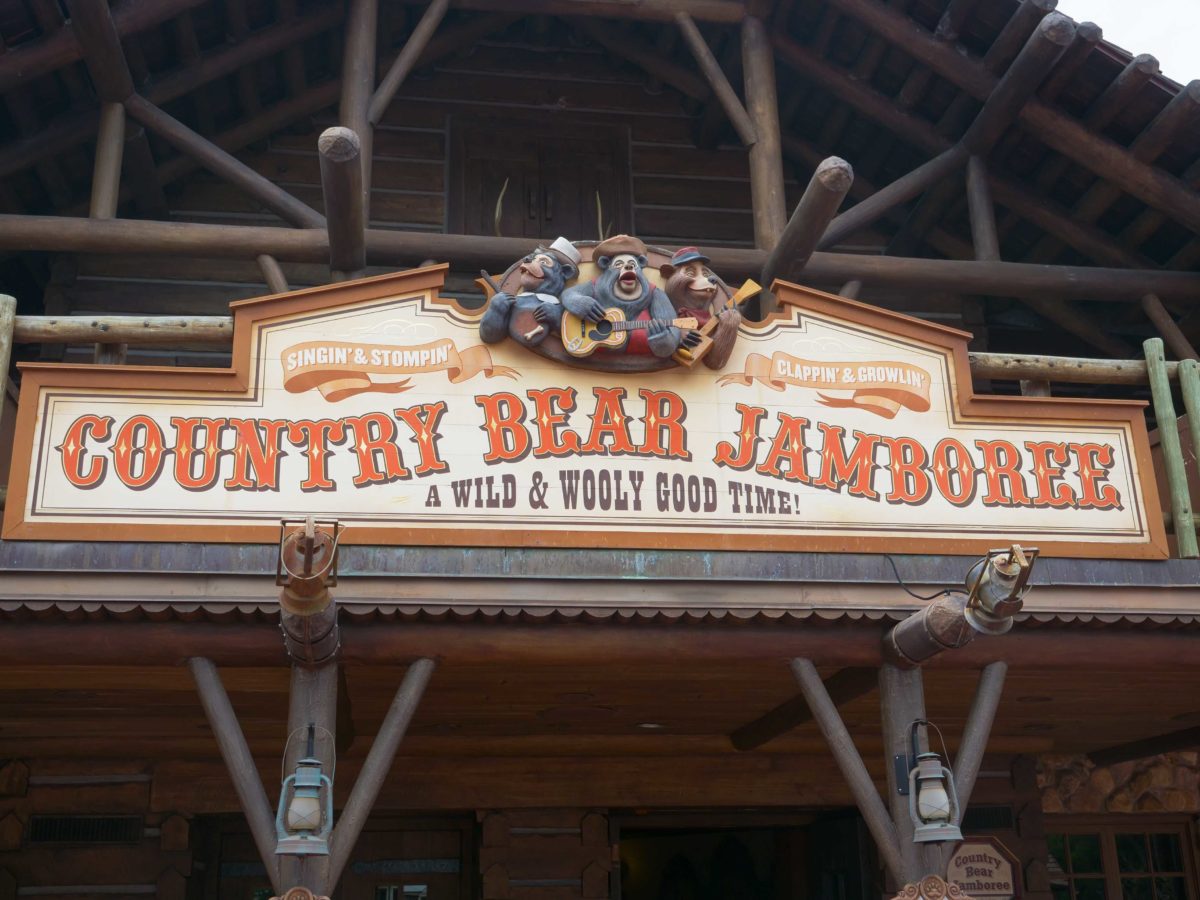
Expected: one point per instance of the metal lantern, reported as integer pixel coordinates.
(997, 584)
(304, 818)
(932, 801)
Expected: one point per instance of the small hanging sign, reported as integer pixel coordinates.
(984, 868)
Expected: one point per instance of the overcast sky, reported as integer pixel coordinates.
(1166, 29)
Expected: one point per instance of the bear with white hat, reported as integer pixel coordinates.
(542, 275)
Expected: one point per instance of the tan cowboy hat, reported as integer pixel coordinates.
(617, 244)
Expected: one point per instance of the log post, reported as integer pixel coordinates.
(824, 194)
(376, 766)
(341, 185)
(715, 75)
(902, 702)
(223, 164)
(1172, 451)
(236, 753)
(976, 731)
(358, 83)
(848, 760)
(404, 63)
(766, 153)
(1189, 384)
(106, 172)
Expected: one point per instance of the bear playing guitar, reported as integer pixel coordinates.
(581, 337)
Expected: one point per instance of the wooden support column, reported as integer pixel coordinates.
(236, 753)
(1172, 451)
(976, 732)
(376, 766)
(223, 164)
(404, 63)
(358, 83)
(981, 210)
(313, 699)
(845, 754)
(766, 153)
(272, 274)
(824, 194)
(341, 184)
(715, 75)
(901, 702)
(1189, 385)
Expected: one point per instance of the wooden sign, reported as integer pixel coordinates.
(984, 868)
(832, 426)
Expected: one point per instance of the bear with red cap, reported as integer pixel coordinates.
(695, 291)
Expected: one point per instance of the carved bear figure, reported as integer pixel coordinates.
(623, 285)
(694, 290)
(535, 310)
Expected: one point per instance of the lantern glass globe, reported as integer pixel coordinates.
(304, 813)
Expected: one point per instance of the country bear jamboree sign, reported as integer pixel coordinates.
(831, 426)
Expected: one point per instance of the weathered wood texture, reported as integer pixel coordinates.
(341, 180)
(1172, 451)
(766, 153)
(715, 76)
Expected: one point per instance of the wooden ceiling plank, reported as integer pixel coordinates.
(1184, 739)
(247, 81)
(726, 11)
(843, 686)
(294, 70)
(188, 49)
(647, 58)
(947, 30)
(1057, 130)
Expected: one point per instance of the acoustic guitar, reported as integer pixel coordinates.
(581, 337)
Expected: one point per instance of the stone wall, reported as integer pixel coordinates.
(1166, 783)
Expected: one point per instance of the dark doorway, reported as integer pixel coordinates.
(722, 857)
(538, 179)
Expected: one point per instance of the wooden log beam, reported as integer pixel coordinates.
(341, 185)
(272, 274)
(404, 63)
(866, 213)
(1051, 37)
(106, 170)
(71, 129)
(826, 189)
(715, 76)
(645, 56)
(766, 153)
(358, 83)
(375, 767)
(981, 211)
(8, 317)
(724, 11)
(848, 760)
(1058, 131)
(975, 733)
(471, 252)
(1184, 739)
(1087, 36)
(1065, 369)
(223, 164)
(1167, 327)
(96, 32)
(842, 686)
(239, 762)
(23, 64)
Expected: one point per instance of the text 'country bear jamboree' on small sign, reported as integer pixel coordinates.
(606, 395)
